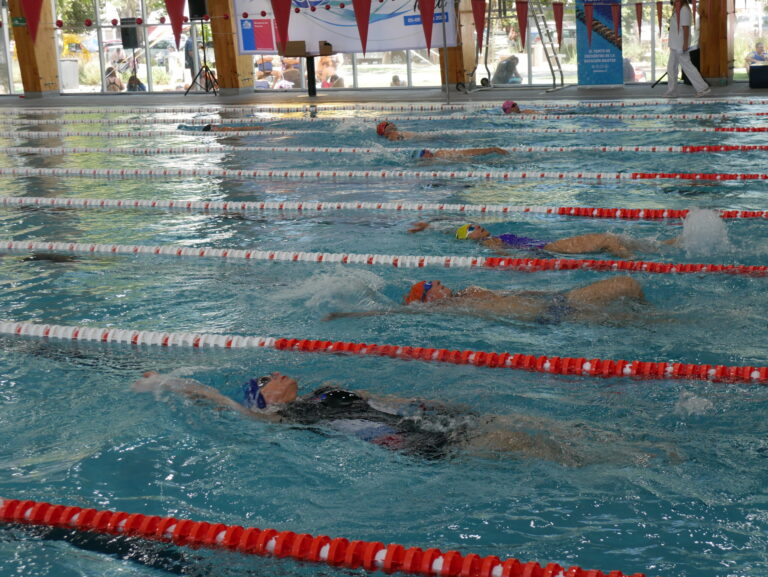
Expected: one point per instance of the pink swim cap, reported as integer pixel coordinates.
(508, 106)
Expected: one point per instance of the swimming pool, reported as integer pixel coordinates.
(672, 476)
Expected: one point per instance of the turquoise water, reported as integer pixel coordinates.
(673, 474)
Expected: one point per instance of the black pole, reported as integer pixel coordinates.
(311, 80)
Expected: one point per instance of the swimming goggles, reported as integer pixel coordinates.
(427, 288)
(252, 392)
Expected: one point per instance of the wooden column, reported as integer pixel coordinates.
(716, 56)
(38, 63)
(233, 71)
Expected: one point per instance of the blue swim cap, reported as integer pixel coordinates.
(419, 153)
(252, 393)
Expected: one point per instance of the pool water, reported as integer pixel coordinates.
(671, 474)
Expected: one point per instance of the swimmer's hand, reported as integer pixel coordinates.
(418, 226)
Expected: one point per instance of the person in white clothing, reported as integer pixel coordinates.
(679, 44)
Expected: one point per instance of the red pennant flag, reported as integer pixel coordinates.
(478, 11)
(659, 7)
(522, 19)
(557, 8)
(616, 17)
(427, 11)
(588, 16)
(677, 13)
(31, 10)
(362, 16)
(693, 10)
(639, 15)
(282, 11)
(175, 9)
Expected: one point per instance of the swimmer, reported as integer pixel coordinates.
(542, 307)
(426, 429)
(389, 131)
(222, 128)
(511, 107)
(453, 154)
(416, 427)
(599, 242)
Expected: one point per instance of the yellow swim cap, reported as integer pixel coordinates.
(463, 231)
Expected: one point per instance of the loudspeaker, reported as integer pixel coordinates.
(758, 76)
(197, 9)
(695, 59)
(129, 34)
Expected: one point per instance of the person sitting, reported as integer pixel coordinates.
(290, 72)
(758, 56)
(235, 128)
(511, 107)
(135, 85)
(330, 78)
(114, 82)
(264, 66)
(389, 131)
(581, 304)
(416, 427)
(599, 242)
(456, 153)
(506, 72)
(396, 81)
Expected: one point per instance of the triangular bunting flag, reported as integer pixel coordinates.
(659, 8)
(557, 9)
(616, 17)
(522, 19)
(427, 11)
(282, 11)
(588, 16)
(175, 9)
(693, 10)
(31, 10)
(677, 13)
(478, 12)
(362, 16)
(639, 16)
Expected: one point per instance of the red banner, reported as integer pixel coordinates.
(427, 11)
(31, 10)
(522, 20)
(175, 9)
(639, 16)
(616, 16)
(478, 12)
(362, 16)
(588, 17)
(659, 7)
(282, 11)
(557, 9)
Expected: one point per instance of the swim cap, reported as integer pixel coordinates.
(381, 127)
(418, 292)
(508, 106)
(462, 233)
(207, 128)
(252, 396)
(419, 153)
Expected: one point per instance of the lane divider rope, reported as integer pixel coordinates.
(360, 150)
(397, 261)
(314, 206)
(300, 119)
(347, 107)
(602, 368)
(302, 132)
(336, 552)
(375, 174)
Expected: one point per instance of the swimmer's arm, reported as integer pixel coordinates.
(361, 314)
(189, 388)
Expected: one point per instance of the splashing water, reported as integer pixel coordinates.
(704, 233)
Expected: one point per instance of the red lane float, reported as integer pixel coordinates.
(398, 261)
(641, 370)
(338, 552)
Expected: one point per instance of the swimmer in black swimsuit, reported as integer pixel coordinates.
(425, 429)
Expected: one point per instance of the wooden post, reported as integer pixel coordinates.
(233, 70)
(37, 60)
(716, 45)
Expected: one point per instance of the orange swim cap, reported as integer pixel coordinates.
(381, 127)
(418, 292)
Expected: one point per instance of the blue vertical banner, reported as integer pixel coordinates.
(598, 42)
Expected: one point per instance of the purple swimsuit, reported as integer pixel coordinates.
(522, 242)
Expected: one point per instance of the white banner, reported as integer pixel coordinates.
(393, 25)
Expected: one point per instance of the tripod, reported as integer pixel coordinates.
(205, 74)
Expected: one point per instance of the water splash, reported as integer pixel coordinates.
(704, 233)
